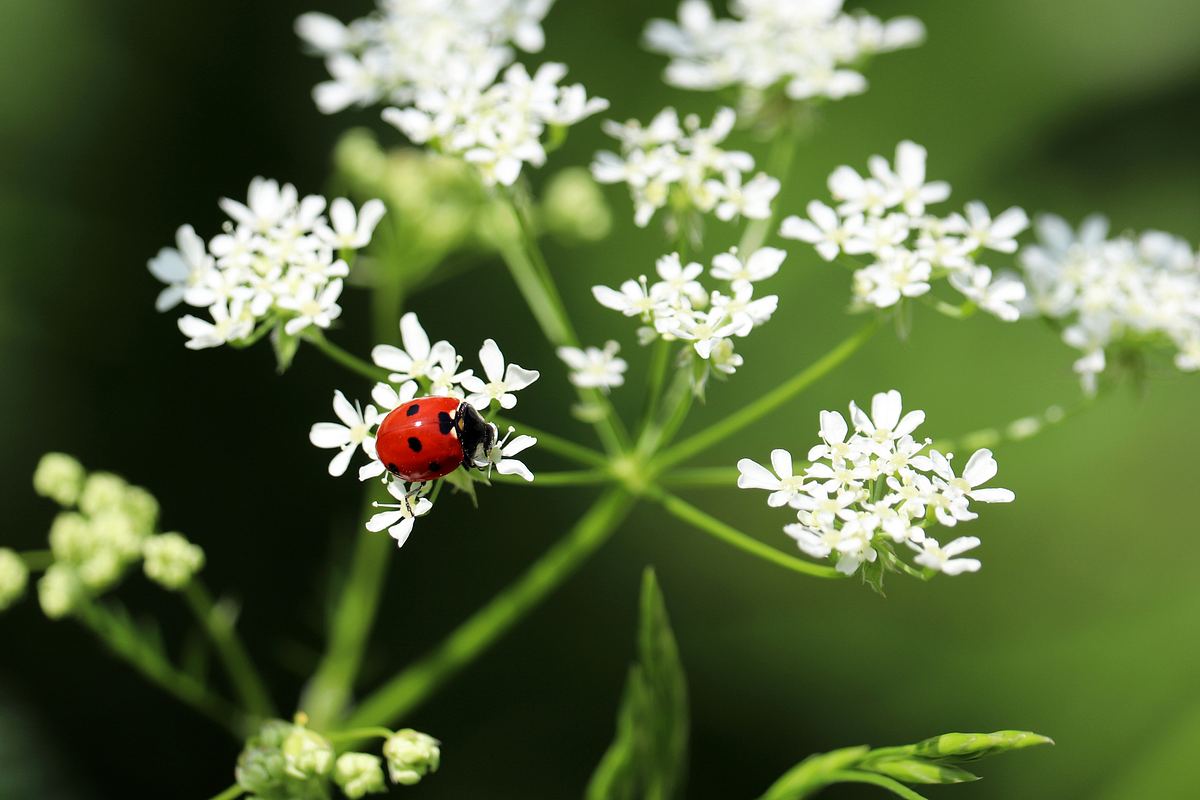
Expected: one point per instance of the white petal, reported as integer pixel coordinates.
(993, 495)
(510, 466)
(781, 460)
(345, 412)
(401, 531)
(517, 444)
(383, 520)
(755, 476)
(492, 360)
(518, 377)
(337, 467)
(416, 343)
(329, 434)
(980, 468)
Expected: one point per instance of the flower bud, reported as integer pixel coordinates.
(102, 491)
(171, 560)
(59, 591)
(964, 746)
(14, 576)
(411, 755)
(101, 570)
(918, 770)
(71, 537)
(359, 774)
(307, 753)
(141, 508)
(59, 477)
(113, 530)
(574, 208)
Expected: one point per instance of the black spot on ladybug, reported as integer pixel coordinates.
(434, 466)
(445, 422)
(413, 409)
(414, 444)
(392, 468)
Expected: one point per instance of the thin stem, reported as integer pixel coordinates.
(358, 734)
(232, 793)
(581, 477)
(123, 639)
(218, 624)
(697, 477)
(36, 560)
(659, 358)
(730, 535)
(556, 444)
(348, 360)
(779, 166)
(882, 781)
(409, 688)
(329, 692)
(1017, 430)
(753, 411)
(678, 402)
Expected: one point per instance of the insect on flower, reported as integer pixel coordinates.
(429, 437)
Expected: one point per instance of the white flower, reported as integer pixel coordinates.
(678, 281)
(762, 264)
(886, 282)
(784, 486)
(350, 229)
(418, 358)
(907, 181)
(355, 431)
(942, 559)
(885, 423)
(400, 518)
(181, 267)
(999, 234)
(312, 308)
(633, 300)
(593, 367)
(502, 452)
(706, 329)
(981, 468)
(1001, 297)
(753, 200)
(501, 382)
(230, 322)
(824, 229)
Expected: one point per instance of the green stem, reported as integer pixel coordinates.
(409, 688)
(657, 376)
(730, 535)
(679, 402)
(358, 734)
(883, 782)
(36, 560)
(581, 477)
(329, 692)
(218, 623)
(555, 444)
(1017, 430)
(124, 640)
(779, 166)
(697, 477)
(755, 410)
(348, 360)
(232, 793)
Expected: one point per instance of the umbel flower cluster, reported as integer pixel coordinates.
(276, 267)
(290, 761)
(812, 49)
(105, 527)
(882, 225)
(678, 307)
(420, 368)
(682, 166)
(1129, 291)
(870, 493)
(440, 69)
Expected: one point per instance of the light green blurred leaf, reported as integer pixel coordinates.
(648, 755)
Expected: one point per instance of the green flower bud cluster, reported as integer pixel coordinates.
(573, 207)
(411, 755)
(106, 526)
(288, 761)
(14, 576)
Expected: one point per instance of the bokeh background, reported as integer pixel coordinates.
(120, 120)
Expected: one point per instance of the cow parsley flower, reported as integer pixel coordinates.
(1131, 292)
(881, 223)
(677, 307)
(399, 517)
(682, 166)
(275, 266)
(811, 49)
(501, 381)
(869, 488)
(502, 452)
(593, 367)
(354, 432)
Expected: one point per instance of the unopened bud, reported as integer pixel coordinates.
(14, 576)
(359, 774)
(59, 477)
(411, 755)
(171, 560)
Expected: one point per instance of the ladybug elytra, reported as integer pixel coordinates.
(429, 437)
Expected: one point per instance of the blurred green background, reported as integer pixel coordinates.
(120, 120)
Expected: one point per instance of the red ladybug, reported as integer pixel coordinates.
(429, 437)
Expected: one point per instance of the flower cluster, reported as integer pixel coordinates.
(594, 367)
(106, 526)
(882, 217)
(1129, 291)
(275, 267)
(681, 165)
(812, 49)
(409, 46)
(869, 489)
(496, 124)
(287, 760)
(421, 368)
(679, 307)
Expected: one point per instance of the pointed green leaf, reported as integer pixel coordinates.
(919, 770)
(647, 757)
(285, 346)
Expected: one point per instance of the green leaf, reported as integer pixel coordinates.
(872, 575)
(285, 346)
(647, 757)
(463, 481)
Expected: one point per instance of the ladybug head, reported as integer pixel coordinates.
(474, 434)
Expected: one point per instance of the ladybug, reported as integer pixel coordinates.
(430, 437)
